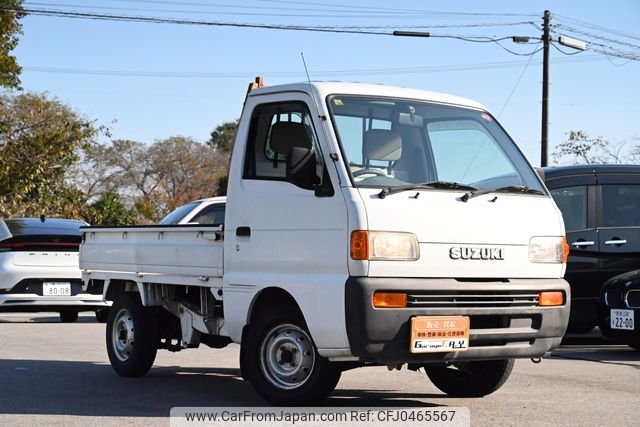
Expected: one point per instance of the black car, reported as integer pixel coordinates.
(621, 307)
(600, 205)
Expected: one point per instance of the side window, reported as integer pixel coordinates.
(274, 130)
(210, 215)
(572, 202)
(620, 205)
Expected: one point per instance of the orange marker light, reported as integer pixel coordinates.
(565, 250)
(360, 245)
(549, 299)
(389, 300)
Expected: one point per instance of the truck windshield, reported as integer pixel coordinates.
(390, 143)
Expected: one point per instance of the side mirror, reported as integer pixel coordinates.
(540, 173)
(301, 168)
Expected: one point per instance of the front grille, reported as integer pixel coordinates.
(614, 298)
(633, 298)
(472, 299)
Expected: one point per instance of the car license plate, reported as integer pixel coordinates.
(622, 319)
(56, 289)
(433, 334)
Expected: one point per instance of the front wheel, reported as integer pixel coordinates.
(470, 379)
(132, 336)
(282, 362)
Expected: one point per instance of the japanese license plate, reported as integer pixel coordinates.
(432, 334)
(622, 319)
(56, 289)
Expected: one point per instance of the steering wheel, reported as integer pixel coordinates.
(369, 172)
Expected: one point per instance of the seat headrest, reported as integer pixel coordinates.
(382, 144)
(285, 135)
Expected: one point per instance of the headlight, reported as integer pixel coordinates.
(384, 246)
(544, 249)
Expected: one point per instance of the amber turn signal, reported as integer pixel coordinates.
(389, 300)
(565, 250)
(360, 245)
(548, 299)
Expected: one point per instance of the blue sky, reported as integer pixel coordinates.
(80, 61)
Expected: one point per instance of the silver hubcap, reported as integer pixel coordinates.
(122, 335)
(287, 356)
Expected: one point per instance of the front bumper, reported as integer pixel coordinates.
(499, 330)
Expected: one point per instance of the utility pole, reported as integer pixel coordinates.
(546, 39)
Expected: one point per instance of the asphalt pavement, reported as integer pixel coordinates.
(59, 374)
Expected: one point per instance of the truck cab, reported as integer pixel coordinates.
(365, 225)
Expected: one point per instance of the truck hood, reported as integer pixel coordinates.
(440, 221)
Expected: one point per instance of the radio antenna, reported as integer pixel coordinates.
(306, 70)
(333, 156)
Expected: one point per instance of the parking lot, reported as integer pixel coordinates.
(59, 374)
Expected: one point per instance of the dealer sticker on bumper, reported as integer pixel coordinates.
(432, 334)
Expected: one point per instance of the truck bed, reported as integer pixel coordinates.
(181, 254)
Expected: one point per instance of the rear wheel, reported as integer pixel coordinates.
(470, 379)
(68, 316)
(282, 361)
(132, 336)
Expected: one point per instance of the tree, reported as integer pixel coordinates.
(580, 148)
(223, 136)
(109, 210)
(40, 138)
(11, 12)
(152, 179)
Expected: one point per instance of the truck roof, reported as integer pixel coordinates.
(324, 89)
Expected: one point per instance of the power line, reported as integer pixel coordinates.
(161, 20)
(244, 74)
(385, 15)
(596, 36)
(517, 83)
(599, 27)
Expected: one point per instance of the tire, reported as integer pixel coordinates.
(132, 336)
(470, 379)
(102, 315)
(68, 316)
(281, 360)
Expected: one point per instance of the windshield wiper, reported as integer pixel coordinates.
(506, 189)
(426, 186)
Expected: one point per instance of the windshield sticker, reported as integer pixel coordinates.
(486, 117)
(338, 102)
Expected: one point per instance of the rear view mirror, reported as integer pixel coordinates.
(301, 168)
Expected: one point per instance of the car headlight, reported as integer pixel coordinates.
(552, 250)
(384, 246)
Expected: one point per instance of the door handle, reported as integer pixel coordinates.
(583, 244)
(243, 231)
(616, 242)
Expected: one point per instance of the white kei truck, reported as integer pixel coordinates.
(366, 225)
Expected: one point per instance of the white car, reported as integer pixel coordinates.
(39, 269)
(204, 211)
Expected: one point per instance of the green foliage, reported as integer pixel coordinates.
(110, 210)
(10, 29)
(223, 136)
(40, 138)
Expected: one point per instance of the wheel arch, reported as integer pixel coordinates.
(114, 287)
